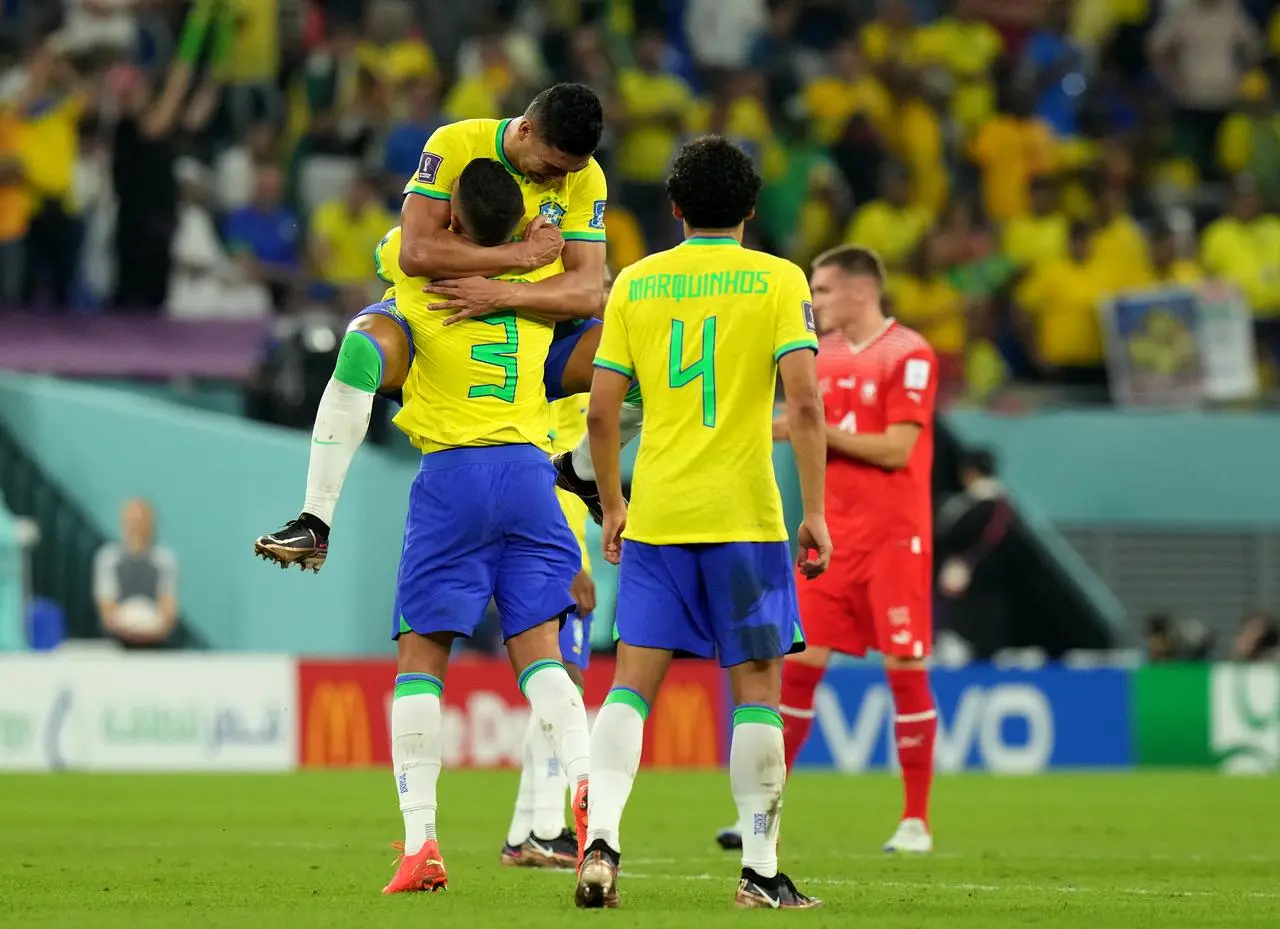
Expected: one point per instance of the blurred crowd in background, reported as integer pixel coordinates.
(1014, 161)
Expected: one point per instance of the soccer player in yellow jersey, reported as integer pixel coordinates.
(483, 523)
(706, 328)
(547, 151)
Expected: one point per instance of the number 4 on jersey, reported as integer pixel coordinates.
(704, 367)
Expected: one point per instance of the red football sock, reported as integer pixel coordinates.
(799, 681)
(915, 726)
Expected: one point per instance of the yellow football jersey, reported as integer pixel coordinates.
(475, 383)
(702, 327)
(575, 203)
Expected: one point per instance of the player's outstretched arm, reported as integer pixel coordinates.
(429, 249)
(577, 293)
(807, 425)
(608, 389)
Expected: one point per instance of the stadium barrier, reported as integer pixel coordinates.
(106, 711)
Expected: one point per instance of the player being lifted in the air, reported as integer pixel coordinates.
(548, 151)
(706, 568)
(878, 381)
(483, 523)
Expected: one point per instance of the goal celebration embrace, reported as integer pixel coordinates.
(522, 372)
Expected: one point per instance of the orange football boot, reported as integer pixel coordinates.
(580, 819)
(419, 872)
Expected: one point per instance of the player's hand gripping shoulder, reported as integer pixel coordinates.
(814, 540)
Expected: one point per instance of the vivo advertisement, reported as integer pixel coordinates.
(1002, 721)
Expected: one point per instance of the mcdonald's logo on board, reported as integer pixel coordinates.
(337, 726)
(684, 727)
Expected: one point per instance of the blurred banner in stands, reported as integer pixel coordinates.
(1180, 346)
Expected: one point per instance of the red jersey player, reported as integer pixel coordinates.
(878, 380)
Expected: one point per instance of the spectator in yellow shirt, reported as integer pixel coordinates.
(964, 47)
(1010, 150)
(891, 38)
(1249, 139)
(1118, 246)
(1243, 247)
(1167, 269)
(1040, 235)
(483, 95)
(833, 100)
(1058, 303)
(892, 225)
(14, 208)
(653, 110)
(737, 111)
(344, 234)
(919, 143)
(395, 50)
(49, 108)
(924, 299)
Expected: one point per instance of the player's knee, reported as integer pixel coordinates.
(360, 362)
(814, 656)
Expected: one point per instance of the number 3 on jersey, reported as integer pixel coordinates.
(501, 355)
(704, 368)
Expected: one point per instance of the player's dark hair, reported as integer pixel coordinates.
(853, 259)
(489, 201)
(568, 117)
(713, 183)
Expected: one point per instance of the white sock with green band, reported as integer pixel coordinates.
(548, 782)
(341, 422)
(415, 754)
(616, 742)
(757, 771)
(630, 420)
(557, 706)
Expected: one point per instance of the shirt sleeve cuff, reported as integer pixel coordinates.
(614, 367)
(425, 191)
(583, 236)
(789, 347)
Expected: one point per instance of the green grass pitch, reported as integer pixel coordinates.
(1138, 851)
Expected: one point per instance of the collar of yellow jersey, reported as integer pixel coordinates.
(712, 240)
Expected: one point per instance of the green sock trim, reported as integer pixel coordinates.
(629, 697)
(359, 363)
(757, 713)
(413, 685)
(543, 664)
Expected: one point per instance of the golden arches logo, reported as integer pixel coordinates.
(338, 726)
(684, 732)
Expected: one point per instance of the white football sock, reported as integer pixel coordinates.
(548, 782)
(522, 818)
(629, 423)
(415, 758)
(341, 423)
(557, 706)
(616, 742)
(757, 771)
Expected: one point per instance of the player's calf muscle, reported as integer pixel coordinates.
(423, 654)
(392, 346)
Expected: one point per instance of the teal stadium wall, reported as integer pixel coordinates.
(218, 480)
(1162, 470)
(11, 581)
